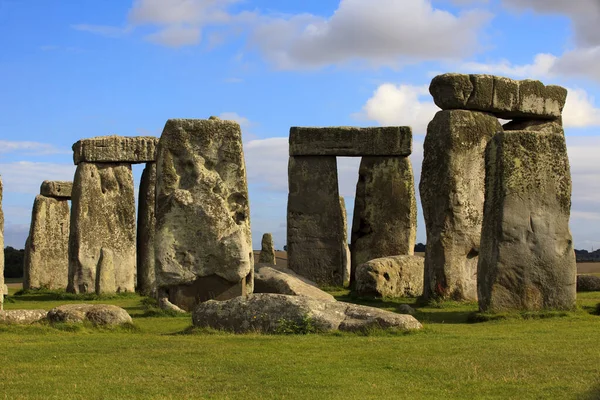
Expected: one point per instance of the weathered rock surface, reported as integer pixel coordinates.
(452, 196)
(102, 216)
(203, 238)
(115, 149)
(22, 317)
(315, 236)
(348, 141)
(346, 256)
(505, 98)
(527, 261)
(588, 283)
(535, 125)
(97, 314)
(1, 245)
(397, 276)
(57, 189)
(267, 250)
(105, 272)
(270, 280)
(46, 262)
(266, 313)
(146, 229)
(385, 210)
(405, 309)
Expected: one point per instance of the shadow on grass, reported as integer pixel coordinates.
(592, 394)
(59, 295)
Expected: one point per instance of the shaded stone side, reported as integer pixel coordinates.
(57, 189)
(267, 250)
(527, 260)
(203, 239)
(115, 149)
(452, 196)
(397, 276)
(47, 249)
(146, 228)
(349, 141)
(102, 215)
(1, 247)
(504, 97)
(346, 257)
(314, 220)
(385, 210)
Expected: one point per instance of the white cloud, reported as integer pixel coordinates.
(176, 36)
(266, 163)
(233, 116)
(103, 30)
(582, 62)
(580, 111)
(380, 32)
(541, 67)
(26, 177)
(31, 148)
(402, 105)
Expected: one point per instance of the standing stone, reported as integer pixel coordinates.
(203, 238)
(105, 273)
(2, 248)
(315, 237)
(267, 250)
(346, 263)
(452, 196)
(146, 228)
(385, 210)
(47, 249)
(102, 216)
(527, 259)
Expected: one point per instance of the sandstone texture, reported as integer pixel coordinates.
(22, 317)
(535, 125)
(346, 256)
(115, 149)
(267, 250)
(105, 273)
(398, 276)
(203, 239)
(315, 231)
(269, 313)
(146, 228)
(102, 216)
(505, 98)
(1, 247)
(527, 261)
(57, 189)
(588, 283)
(385, 210)
(452, 197)
(46, 263)
(270, 280)
(347, 141)
(97, 314)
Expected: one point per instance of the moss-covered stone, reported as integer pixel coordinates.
(452, 196)
(527, 260)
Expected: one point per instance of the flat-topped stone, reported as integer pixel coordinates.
(346, 141)
(57, 189)
(505, 98)
(115, 149)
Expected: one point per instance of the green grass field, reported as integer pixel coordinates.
(160, 357)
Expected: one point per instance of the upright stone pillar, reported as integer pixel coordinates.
(267, 250)
(315, 236)
(146, 277)
(385, 210)
(203, 238)
(102, 216)
(452, 196)
(346, 263)
(527, 260)
(47, 248)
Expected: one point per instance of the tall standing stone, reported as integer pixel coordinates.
(102, 216)
(267, 250)
(452, 196)
(46, 262)
(203, 239)
(146, 227)
(385, 210)
(527, 260)
(2, 250)
(315, 239)
(346, 260)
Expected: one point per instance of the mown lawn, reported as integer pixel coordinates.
(535, 358)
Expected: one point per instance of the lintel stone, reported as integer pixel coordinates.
(57, 189)
(115, 149)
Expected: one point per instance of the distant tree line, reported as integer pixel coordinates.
(13, 262)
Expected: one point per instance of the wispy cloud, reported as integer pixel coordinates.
(103, 30)
(31, 148)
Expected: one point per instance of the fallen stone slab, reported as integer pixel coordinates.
(22, 317)
(397, 276)
(588, 283)
(504, 97)
(57, 189)
(97, 314)
(270, 280)
(115, 149)
(269, 313)
(346, 141)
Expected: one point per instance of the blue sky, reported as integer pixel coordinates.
(73, 69)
